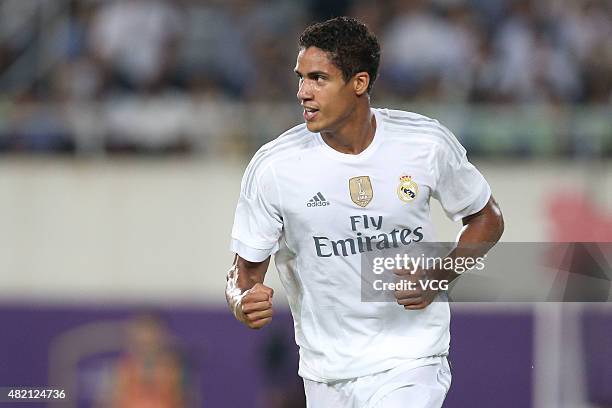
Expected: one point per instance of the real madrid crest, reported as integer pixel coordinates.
(361, 190)
(407, 189)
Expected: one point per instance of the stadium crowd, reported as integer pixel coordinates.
(508, 52)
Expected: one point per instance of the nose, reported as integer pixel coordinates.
(304, 92)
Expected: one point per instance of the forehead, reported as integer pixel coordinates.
(314, 59)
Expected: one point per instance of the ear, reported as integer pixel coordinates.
(361, 81)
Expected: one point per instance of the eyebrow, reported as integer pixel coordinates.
(312, 73)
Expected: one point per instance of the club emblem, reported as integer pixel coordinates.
(407, 189)
(361, 190)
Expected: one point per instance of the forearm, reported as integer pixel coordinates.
(242, 276)
(249, 273)
(234, 292)
(479, 234)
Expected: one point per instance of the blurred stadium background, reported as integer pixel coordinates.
(125, 127)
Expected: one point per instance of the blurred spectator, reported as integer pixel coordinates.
(150, 373)
(422, 48)
(515, 44)
(219, 42)
(443, 50)
(533, 65)
(464, 27)
(142, 67)
(215, 44)
(486, 72)
(35, 127)
(79, 75)
(136, 40)
(586, 28)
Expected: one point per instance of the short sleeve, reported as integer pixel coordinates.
(460, 188)
(257, 222)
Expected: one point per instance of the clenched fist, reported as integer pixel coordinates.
(256, 306)
(419, 294)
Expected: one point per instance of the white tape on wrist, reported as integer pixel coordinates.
(234, 294)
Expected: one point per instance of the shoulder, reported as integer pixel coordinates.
(410, 121)
(410, 126)
(292, 142)
(295, 138)
(404, 116)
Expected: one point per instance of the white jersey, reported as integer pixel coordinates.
(312, 207)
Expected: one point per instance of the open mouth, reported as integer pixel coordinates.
(310, 113)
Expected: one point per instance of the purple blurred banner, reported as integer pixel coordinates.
(231, 366)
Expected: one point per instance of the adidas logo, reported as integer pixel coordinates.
(317, 201)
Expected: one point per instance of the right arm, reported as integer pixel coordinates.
(247, 297)
(258, 226)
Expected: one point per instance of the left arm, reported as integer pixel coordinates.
(480, 232)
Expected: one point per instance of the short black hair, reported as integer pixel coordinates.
(352, 47)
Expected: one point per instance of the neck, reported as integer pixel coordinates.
(355, 134)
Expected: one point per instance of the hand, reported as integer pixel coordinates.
(256, 306)
(415, 297)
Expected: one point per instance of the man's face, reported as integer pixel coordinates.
(327, 99)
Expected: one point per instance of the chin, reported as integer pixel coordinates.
(313, 127)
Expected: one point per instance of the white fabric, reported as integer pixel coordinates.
(405, 386)
(317, 247)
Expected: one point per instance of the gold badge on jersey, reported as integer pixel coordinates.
(361, 190)
(407, 189)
